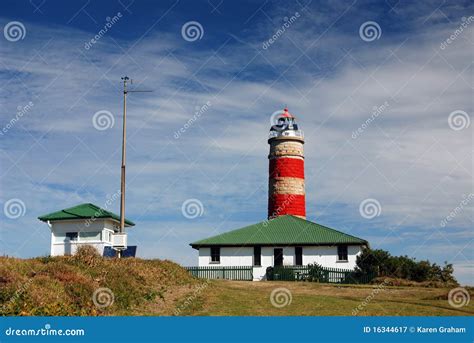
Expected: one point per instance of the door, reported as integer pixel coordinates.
(278, 257)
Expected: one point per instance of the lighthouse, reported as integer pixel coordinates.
(286, 188)
(288, 238)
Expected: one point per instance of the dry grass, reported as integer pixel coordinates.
(64, 286)
(313, 299)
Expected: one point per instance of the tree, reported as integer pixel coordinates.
(375, 262)
(381, 263)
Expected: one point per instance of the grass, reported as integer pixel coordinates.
(64, 286)
(232, 298)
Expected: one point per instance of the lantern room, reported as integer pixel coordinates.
(285, 126)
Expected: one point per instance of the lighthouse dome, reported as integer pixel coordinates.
(285, 126)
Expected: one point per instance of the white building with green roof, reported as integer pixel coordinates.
(286, 238)
(283, 241)
(82, 224)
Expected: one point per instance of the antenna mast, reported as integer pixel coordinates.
(122, 233)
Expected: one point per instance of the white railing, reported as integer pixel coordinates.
(286, 133)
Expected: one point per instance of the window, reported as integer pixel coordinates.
(90, 236)
(342, 252)
(299, 256)
(108, 236)
(71, 236)
(257, 256)
(215, 254)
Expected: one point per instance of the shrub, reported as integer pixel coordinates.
(381, 263)
(269, 273)
(87, 250)
(280, 273)
(316, 273)
(87, 254)
(374, 261)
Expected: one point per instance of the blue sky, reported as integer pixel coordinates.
(414, 155)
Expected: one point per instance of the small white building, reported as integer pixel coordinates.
(283, 241)
(80, 225)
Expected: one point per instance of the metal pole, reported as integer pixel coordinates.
(122, 174)
(124, 145)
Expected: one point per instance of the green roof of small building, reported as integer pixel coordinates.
(283, 230)
(83, 211)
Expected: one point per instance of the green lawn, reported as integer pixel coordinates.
(311, 299)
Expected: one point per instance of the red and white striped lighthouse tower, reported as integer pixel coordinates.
(286, 191)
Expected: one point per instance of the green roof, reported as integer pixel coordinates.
(283, 230)
(83, 211)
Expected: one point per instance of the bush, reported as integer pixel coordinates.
(87, 254)
(86, 250)
(280, 273)
(381, 263)
(316, 273)
(269, 273)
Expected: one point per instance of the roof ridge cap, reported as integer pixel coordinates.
(92, 205)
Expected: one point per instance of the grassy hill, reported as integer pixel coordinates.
(66, 285)
(86, 285)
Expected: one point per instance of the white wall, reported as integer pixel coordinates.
(60, 246)
(325, 256)
(230, 256)
(70, 249)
